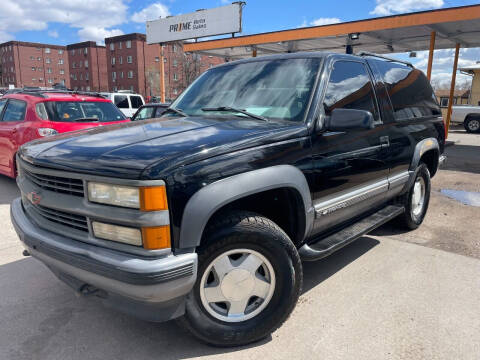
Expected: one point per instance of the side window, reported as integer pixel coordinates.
(136, 101)
(160, 111)
(145, 113)
(350, 87)
(409, 91)
(15, 110)
(121, 101)
(2, 105)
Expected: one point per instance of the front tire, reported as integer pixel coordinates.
(416, 200)
(472, 124)
(249, 280)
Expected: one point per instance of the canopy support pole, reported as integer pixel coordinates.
(430, 54)
(452, 88)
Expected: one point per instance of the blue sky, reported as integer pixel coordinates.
(64, 22)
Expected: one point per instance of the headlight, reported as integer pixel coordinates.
(125, 196)
(149, 198)
(117, 233)
(152, 238)
(46, 132)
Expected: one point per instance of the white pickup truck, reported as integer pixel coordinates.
(467, 115)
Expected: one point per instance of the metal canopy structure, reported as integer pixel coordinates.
(427, 30)
(399, 33)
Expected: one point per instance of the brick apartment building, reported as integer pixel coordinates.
(32, 64)
(88, 66)
(134, 65)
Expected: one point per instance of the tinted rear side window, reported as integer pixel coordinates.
(15, 110)
(136, 101)
(409, 91)
(121, 101)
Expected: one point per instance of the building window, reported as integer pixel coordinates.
(40, 79)
(86, 76)
(87, 88)
(74, 65)
(128, 44)
(120, 60)
(174, 48)
(33, 79)
(129, 59)
(62, 72)
(114, 76)
(74, 76)
(33, 68)
(47, 50)
(85, 51)
(165, 60)
(72, 52)
(175, 91)
(48, 61)
(130, 74)
(60, 52)
(112, 46)
(175, 77)
(50, 81)
(32, 57)
(157, 59)
(131, 88)
(39, 58)
(115, 88)
(80, 63)
(85, 63)
(113, 60)
(60, 61)
(444, 102)
(49, 70)
(121, 75)
(120, 45)
(81, 76)
(175, 62)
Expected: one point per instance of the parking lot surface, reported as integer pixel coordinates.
(389, 295)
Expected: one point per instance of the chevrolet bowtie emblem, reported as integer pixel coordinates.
(34, 197)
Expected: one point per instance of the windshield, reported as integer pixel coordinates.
(86, 111)
(274, 89)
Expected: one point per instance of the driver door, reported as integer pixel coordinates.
(350, 167)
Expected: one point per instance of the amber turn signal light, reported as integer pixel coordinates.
(157, 237)
(153, 198)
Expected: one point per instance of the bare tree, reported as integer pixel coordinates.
(191, 68)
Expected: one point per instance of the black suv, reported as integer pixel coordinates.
(206, 213)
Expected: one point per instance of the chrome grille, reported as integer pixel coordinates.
(55, 183)
(78, 222)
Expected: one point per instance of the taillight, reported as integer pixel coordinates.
(46, 132)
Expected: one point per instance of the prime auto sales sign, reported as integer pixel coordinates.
(221, 20)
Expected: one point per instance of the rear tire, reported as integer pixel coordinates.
(216, 316)
(416, 200)
(472, 124)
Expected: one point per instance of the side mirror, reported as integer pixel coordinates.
(349, 119)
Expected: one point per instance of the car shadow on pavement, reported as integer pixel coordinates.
(462, 158)
(45, 317)
(316, 272)
(8, 190)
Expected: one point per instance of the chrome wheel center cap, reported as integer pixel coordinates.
(237, 285)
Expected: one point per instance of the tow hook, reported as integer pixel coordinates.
(89, 290)
(25, 253)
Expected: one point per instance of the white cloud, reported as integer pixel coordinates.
(97, 34)
(151, 12)
(53, 34)
(320, 21)
(388, 7)
(20, 15)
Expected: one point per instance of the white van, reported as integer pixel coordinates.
(127, 102)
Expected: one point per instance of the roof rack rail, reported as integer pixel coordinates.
(35, 92)
(366, 53)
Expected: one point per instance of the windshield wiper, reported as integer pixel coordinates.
(232, 109)
(87, 119)
(176, 111)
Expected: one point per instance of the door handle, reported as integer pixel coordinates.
(384, 142)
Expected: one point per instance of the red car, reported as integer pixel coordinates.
(25, 116)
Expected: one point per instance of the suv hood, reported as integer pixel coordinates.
(126, 150)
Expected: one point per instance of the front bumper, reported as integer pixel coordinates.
(149, 288)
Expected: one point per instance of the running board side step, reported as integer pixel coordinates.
(334, 242)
